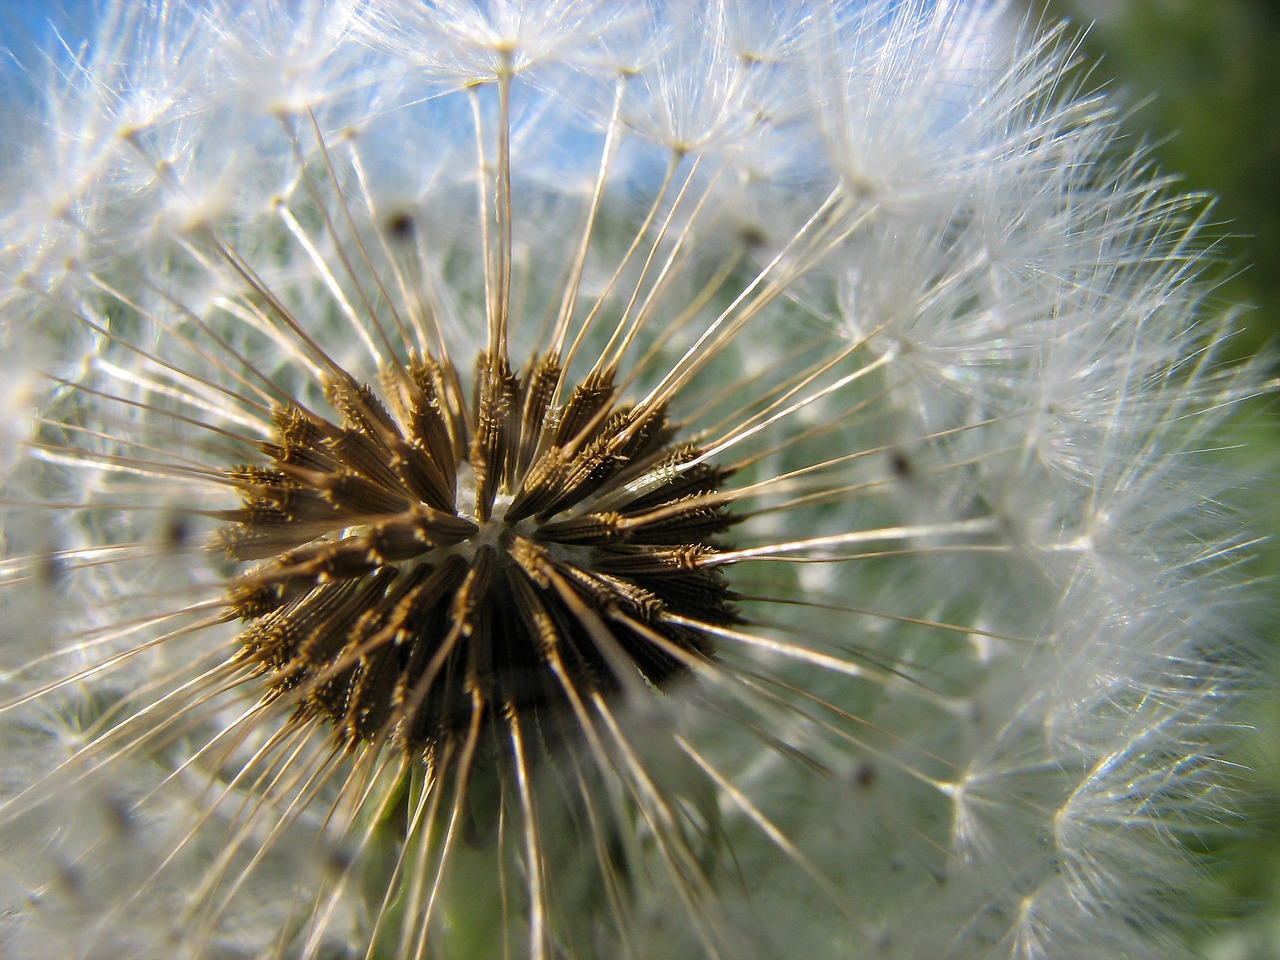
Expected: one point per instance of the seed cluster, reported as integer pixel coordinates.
(427, 563)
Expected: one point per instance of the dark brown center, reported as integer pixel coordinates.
(423, 565)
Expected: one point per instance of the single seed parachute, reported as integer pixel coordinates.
(557, 478)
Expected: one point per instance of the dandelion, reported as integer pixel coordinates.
(548, 479)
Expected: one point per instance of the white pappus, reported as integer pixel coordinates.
(561, 478)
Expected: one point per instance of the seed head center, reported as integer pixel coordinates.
(422, 567)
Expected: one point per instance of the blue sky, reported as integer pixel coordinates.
(28, 23)
(23, 19)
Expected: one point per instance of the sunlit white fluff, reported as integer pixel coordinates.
(882, 254)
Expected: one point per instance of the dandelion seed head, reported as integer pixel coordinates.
(541, 479)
